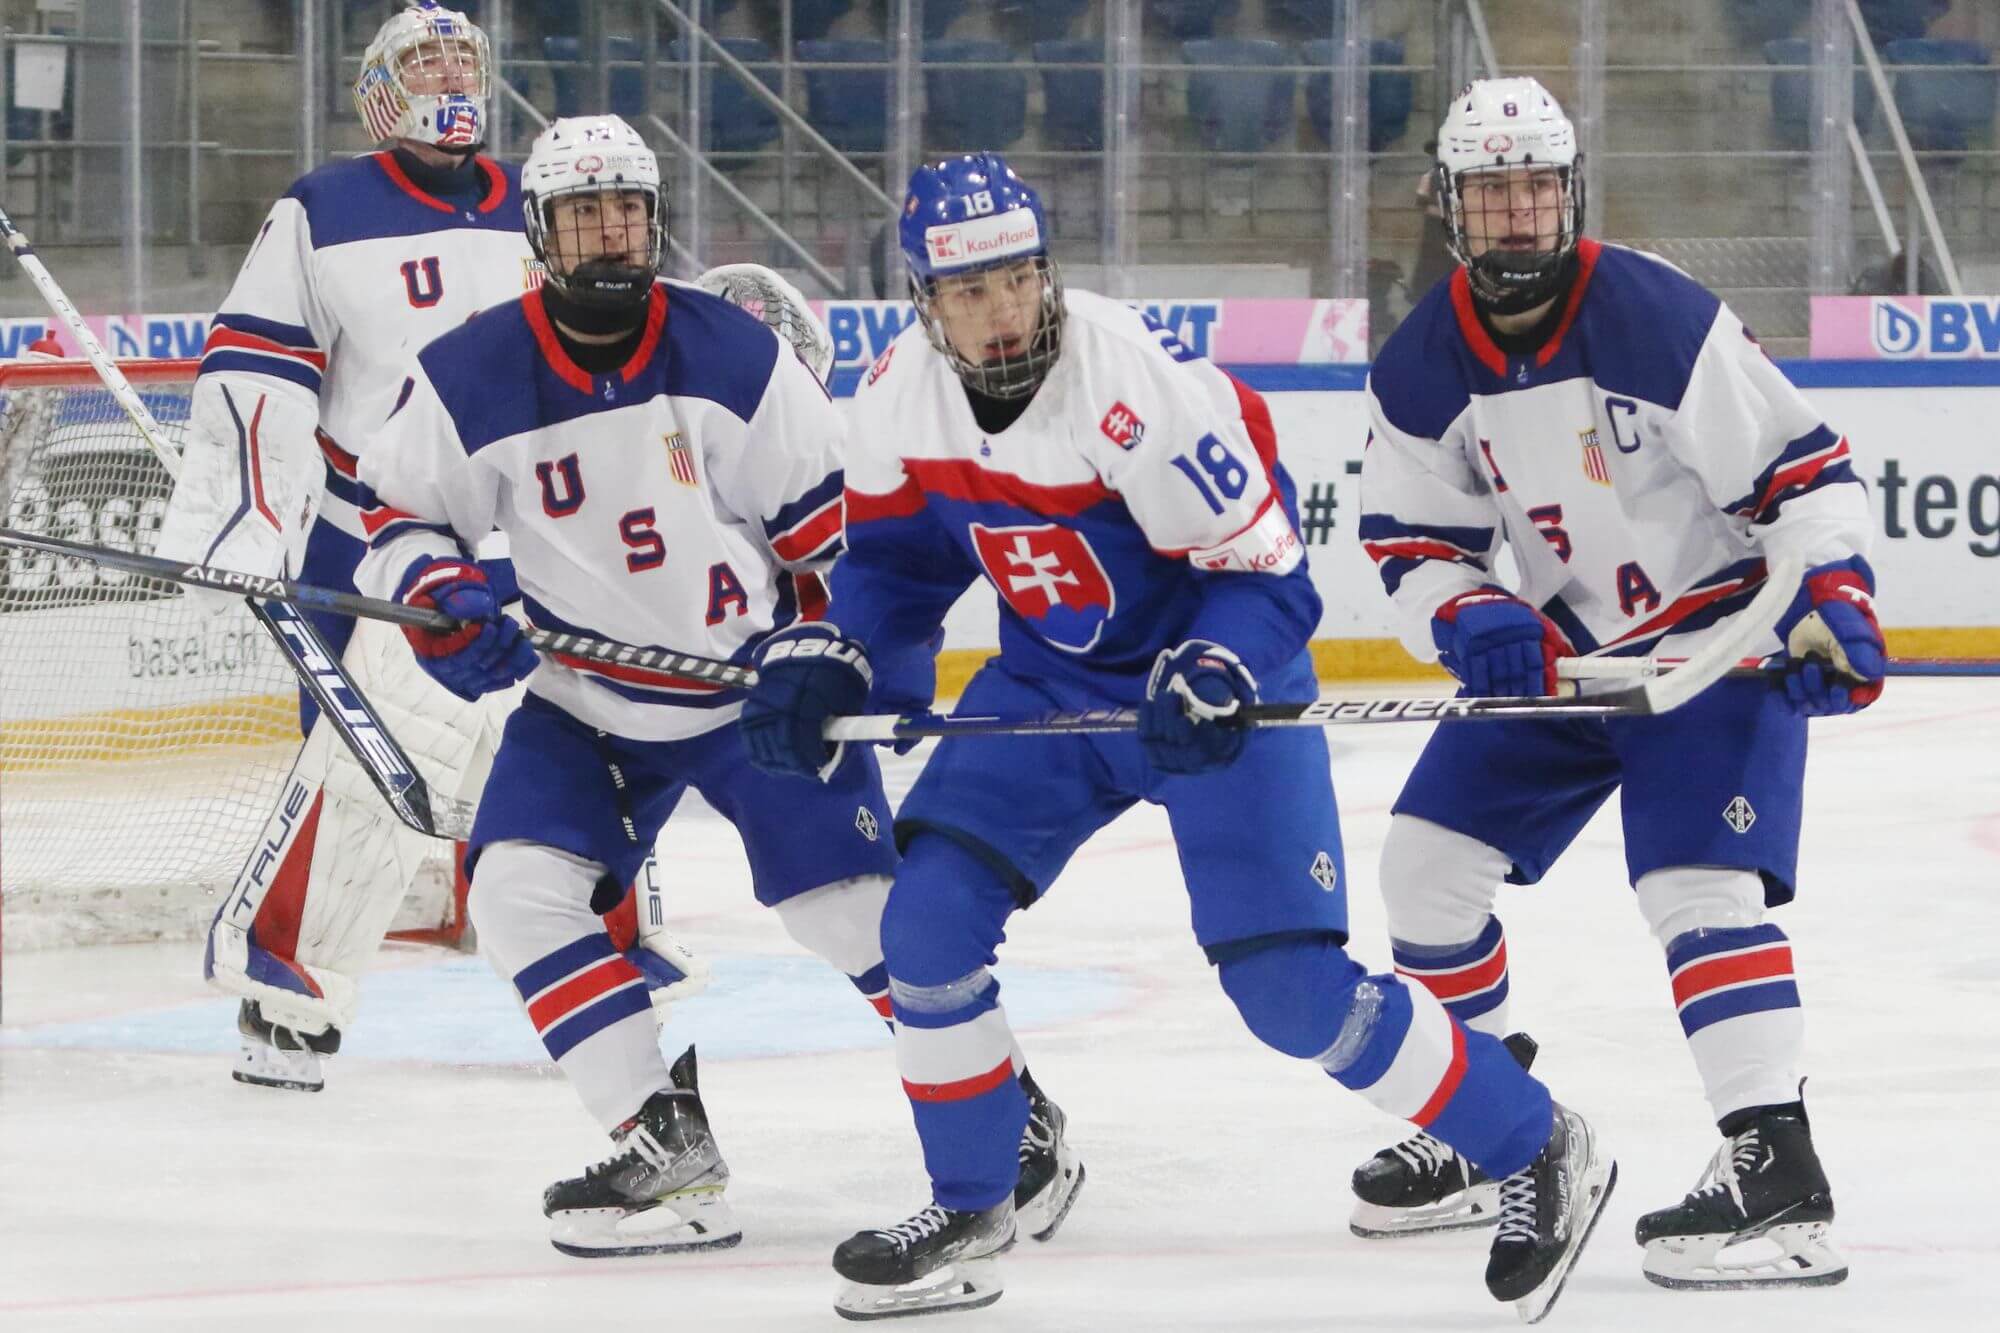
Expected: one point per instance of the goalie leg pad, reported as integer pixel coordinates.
(531, 906)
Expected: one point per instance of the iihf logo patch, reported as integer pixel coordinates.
(864, 819)
(1325, 873)
(1738, 815)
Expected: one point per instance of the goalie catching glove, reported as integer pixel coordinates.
(487, 651)
(1835, 658)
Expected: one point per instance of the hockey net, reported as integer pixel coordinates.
(143, 739)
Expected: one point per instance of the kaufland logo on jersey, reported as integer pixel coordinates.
(1935, 328)
(983, 240)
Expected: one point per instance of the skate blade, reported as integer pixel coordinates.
(1041, 1215)
(672, 1226)
(264, 1066)
(1535, 1306)
(967, 1285)
(1787, 1255)
(1463, 1211)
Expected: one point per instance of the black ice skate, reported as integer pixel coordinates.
(1758, 1217)
(1421, 1186)
(1051, 1175)
(938, 1260)
(660, 1193)
(1547, 1212)
(278, 1057)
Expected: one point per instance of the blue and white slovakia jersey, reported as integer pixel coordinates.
(1643, 464)
(672, 502)
(355, 268)
(1136, 502)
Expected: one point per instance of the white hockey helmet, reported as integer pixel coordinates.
(594, 155)
(1510, 128)
(413, 84)
(766, 294)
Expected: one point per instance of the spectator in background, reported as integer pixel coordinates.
(1891, 277)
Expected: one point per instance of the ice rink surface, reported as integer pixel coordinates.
(141, 1189)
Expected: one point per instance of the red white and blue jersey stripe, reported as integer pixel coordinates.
(1468, 980)
(1721, 974)
(587, 476)
(1640, 467)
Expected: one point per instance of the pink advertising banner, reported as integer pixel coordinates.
(1906, 328)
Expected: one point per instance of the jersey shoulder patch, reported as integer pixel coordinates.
(1644, 322)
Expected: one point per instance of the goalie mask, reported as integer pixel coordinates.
(767, 295)
(981, 275)
(426, 77)
(1510, 182)
(596, 215)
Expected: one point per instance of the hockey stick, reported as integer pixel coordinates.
(1655, 694)
(345, 707)
(1632, 668)
(306, 596)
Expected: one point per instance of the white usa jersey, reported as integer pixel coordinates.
(354, 269)
(1137, 501)
(1643, 464)
(686, 500)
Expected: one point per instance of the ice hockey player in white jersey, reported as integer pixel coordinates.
(361, 260)
(1617, 428)
(1125, 499)
(667, 472)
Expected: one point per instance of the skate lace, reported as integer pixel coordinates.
(1040, 1136)
(924, 1225)
(1726, 1169)
(1425, 1154)
(1517, 1208)
(637, 1146)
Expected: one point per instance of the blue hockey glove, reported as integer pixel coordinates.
(485, 653)
(805, 675)
(1188, 723)
(1835, 658)
(1496, 644)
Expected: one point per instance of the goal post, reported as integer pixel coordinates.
(143, 735)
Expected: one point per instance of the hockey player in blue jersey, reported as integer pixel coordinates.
(1618, 429)
(667, 471)
(1125, 500)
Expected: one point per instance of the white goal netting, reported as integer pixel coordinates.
(142, 738)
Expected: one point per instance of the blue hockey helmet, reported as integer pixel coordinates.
(976, 241)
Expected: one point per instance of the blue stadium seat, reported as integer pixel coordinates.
(1791, 94)
(1186, 18)
(1898, 20)
(1239, 110)
(1941, 107)
(1316, 16)
(734, 120)
(850, 107)
(1755, 22)
(973, 109)
(939, 15)
(1048, 20)
(812, 18)
(575, 82)
(1390, 92)
(1072, 98)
